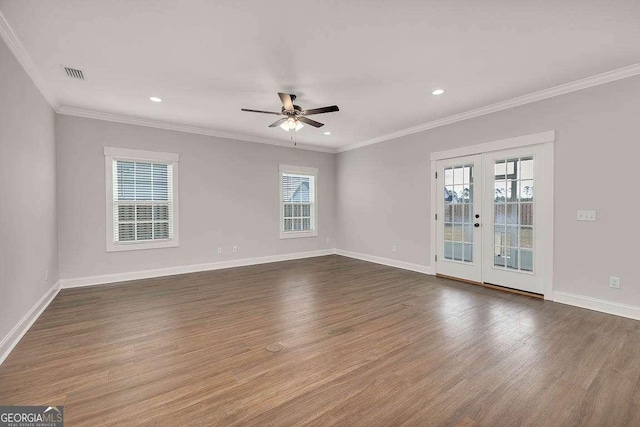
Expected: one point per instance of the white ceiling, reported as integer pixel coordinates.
(377, 60)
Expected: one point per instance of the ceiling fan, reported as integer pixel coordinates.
(294, 116)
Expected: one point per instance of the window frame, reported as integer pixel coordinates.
(112, 154)
(302, 170)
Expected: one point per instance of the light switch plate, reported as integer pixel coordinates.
(586, 216)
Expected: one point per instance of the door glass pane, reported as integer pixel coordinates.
(500, 169)
(512, 190)
(458, 176)
(447, 213)
(512, 213)
(468, 233)
(526, 237)
(499, 213)
(526, 260)
(513, 208)
(448, 177)
(501, 191)
(448, 232)
(457, 233)
(498, 256)
(448, 250)
(511, 258)
(457, 251)
(468, 253)
(526, 190)
(526, 168)
(511, 237)
(458, 213)
(500, 236)
(526, 213)
(448, 194)
(467, 214)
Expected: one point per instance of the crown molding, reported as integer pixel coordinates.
(15, 46)
(139, 121)
(599, 79)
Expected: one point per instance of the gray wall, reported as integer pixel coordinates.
(383, 193)
(28, 241)
(228, 195)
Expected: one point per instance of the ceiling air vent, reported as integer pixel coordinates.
(73, 73)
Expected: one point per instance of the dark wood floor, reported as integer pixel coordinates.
(364, 345)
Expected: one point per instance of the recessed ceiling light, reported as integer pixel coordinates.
(327, 133)
(437, 92)
(155, 99)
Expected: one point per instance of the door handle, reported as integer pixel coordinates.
(477, 224)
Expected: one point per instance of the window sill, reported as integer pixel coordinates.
(118, 247)
(297, 234)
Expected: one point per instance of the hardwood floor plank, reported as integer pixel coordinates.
(363, 344)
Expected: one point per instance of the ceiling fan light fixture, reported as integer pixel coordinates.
(294, 116)
(291, 124)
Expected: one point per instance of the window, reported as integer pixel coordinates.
(298, 203)
(141, 199)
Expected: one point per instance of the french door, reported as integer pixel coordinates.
(492, 218)
(458, 217)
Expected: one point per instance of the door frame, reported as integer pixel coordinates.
(547, 141)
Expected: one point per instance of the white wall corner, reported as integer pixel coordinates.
(14, 336)
(424, 269)
(15, 46)
(604, 306)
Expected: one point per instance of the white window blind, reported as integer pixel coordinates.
(142, 201)
(298, 203)
(141, 207)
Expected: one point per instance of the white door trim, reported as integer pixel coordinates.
(545, 138)
(502, 144)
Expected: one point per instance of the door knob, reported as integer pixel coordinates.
(477, 224)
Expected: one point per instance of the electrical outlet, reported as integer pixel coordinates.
(219, 250)
(394, 249)
(235, 249)
(328, 240)
(586, 216)
(46, 275)
(614, 282)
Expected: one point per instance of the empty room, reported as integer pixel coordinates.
(327, 213)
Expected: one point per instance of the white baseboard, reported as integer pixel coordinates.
(582, 301)
(425, 269)
(14, 336)
(194, 268)
(596, 304)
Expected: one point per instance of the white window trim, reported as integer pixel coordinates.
(306, 171)
(172, 159)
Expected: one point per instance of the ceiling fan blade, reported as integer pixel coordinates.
(330, 109)
(286, 101)
(310, 122)
(278, 123)
(260, 111)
